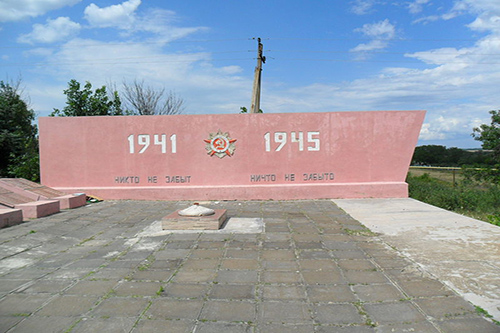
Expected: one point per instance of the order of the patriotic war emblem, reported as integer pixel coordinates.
(220, 144)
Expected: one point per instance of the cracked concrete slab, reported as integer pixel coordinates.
(462, 252)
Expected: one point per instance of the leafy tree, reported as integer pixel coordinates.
(145, 100)
(489, 135)
(18, 135)
(85, 102)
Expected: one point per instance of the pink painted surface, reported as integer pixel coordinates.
(10, 217)
(36, 209)
(71, 201)
(340, 155)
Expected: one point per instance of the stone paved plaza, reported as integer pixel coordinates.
(313, 269)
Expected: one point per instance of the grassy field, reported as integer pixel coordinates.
(447, 189)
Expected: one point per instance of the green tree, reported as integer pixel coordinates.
(85, 102)
(18, 135)
(489, 135)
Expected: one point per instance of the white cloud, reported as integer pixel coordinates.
(121, 16)
(381, 32)
(362, 7)
(56, 30)
(416, 6)
(15, 10)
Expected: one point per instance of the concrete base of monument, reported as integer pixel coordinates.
(71, 201)
(250, 192)
(10, 217)
(36, 209)
(175, 221)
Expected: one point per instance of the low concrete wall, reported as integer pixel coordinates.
(226, 157)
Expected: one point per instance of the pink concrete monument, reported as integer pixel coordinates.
(227, 157)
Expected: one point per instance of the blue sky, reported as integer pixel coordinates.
(439, 56)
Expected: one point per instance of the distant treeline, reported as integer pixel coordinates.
(435, 155)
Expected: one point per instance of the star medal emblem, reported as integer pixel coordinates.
(220, 144)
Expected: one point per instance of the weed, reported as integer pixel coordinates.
(481, 202)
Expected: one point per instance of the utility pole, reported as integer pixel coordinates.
(257, 78)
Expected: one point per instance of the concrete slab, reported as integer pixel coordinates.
(70, 201)
(462, 252)
(10, 217)
(232, 225)
(36, 209)
(174, 221)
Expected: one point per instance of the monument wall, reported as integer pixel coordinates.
(227, 157)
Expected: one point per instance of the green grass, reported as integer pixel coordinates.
(479, 202)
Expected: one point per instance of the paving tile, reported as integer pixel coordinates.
(425, 288)
(108, 325)
(278, 255)
(322, 277)
(366, 276)
(45, 324)
(159, 325)
(204, 253)
(46, 286)
(351, 254)
(286, 328)
(242, 254)
(120, 307)
(421, 326)
(283, 292)
(468, 325)
(68, 305)
(284, 312)
(346, 329)
(162, 308)
(333, 294)
(137, 288)
(91, 287)
(393, 312)
(107, 273)
(356, 264)
(228, 311)
(181, 290)
(280, 265)
(22, 304)
(318, 264)
(6, 322)
(169, 254)
(247, 264)
(153, 275)
(281, 277)
(218, 327)
(166, 264)
(378, 292)
(201, 264)
(191, 276)
(236, 276)
(234, 292)
(341, 314)
(314, 254)
(446, 307)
